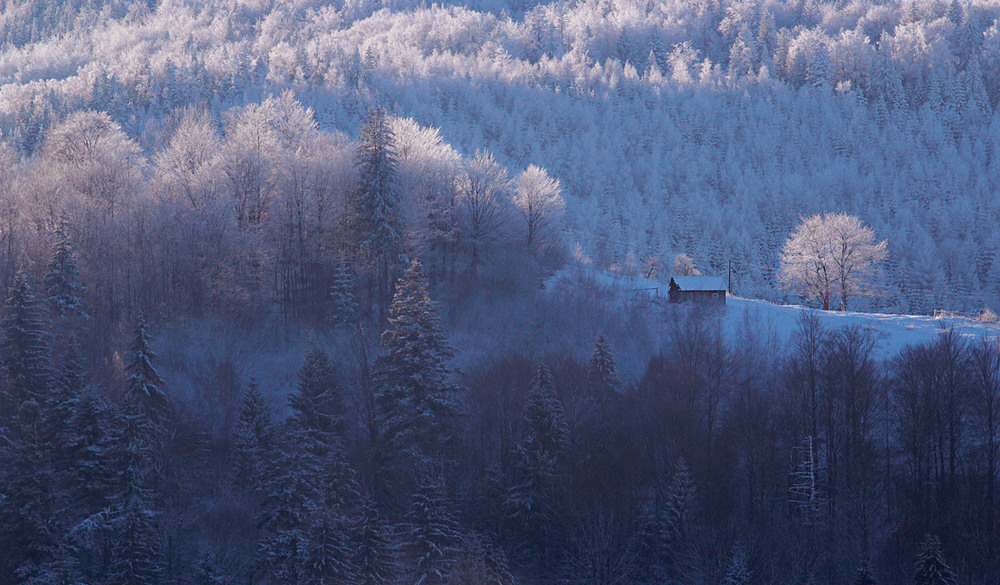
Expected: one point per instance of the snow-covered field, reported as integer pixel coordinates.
(895, 331)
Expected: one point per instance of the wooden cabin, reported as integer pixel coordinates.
(709, 290)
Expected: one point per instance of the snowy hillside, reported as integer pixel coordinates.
(895, 331)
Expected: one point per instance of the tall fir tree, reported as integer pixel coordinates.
(143, 392)
(63, 289)
(602, 372)
(432, 538)
(930, 566)
(251, 439)
(377, 209)
(343, 306)
(532, 500)
(374, 556)
(135, 545)
(417, 406)
(25, 348)
(317, 404)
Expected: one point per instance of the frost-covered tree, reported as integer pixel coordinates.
(829, 256)
(737, 573)
(317, 404)
(135, 546)
(143, 391)
(483, 202)
(930, 566)
(416, 403)
(374, 554)
(63, 289)
(538, 198)
(252, 438)
(377, 219)
(432, 539)
(25, 350)
(684, 266)
(343, 307)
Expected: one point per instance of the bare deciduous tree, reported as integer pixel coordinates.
(830, 254)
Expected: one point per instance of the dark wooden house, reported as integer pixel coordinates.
(710, 290)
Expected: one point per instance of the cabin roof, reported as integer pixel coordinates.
(699, 283)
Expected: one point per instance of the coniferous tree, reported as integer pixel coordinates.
(931, 568)
(252, 438)
(25, 351)
(317, 405)
(343, 307)
(378, 217)
(135, 548)
(432, 539)
(143, 393)
(532, 499)
(416, 403)
(63, 289)
(374, 556)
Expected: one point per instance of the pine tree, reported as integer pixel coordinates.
(433, 538)
(602, 374)
(251, 439)
(374, 556)
(930, 567)
(63, 289)
(25, 351)
(317, 405)
(143, 393)
(416, 404)
(135, 548)
(378, 218)
(532, 499)
(343, 307)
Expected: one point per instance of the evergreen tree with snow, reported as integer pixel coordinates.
(532, 500)
(374, 556)
(63, 289)
(343, 307)
(135, 546)
(143, 393)
(432, 537)
(930, 567)
(317, 404)
(251, 438)
(377, 211)
(602, 374)
(25, 348)
(416, 404)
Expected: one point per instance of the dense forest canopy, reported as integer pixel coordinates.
(706, 128)
(304, 293)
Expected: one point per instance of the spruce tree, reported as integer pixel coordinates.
(532, 499)
(25, 349)
(317, 404)
(251, 438)
(135, 548)
(143, 393)
(930, 567)
(343, 307)
(63, 289)
(602, 373)
(432, 538)
(416, 403)
(374, 555)
(378, 217)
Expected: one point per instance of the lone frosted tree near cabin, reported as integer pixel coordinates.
(830, 255)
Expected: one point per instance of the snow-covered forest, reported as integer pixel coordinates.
(707, 128)
(289, 292)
